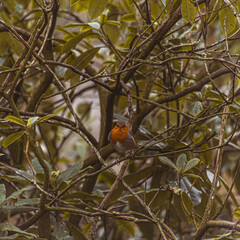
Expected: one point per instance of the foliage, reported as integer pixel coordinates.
(70, 69)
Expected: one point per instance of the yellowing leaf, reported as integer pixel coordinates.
(189, 11)
(72, 2)
(16, 120)
(11, 139)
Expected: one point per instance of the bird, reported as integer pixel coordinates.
(122, 139)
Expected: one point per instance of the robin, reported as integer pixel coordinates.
(121, 138)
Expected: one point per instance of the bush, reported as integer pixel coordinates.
(70, 70)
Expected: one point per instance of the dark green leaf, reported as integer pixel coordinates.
(12, 138)
(187, 206)
(177, 203)
(126, 226)
(76, 232)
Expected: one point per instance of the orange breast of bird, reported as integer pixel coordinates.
(121, 139)
(119, 134)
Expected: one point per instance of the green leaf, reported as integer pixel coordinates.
(30, 201)
(12, 228)
(31, 121)
(187, 206)
(126, 226)
(16, 120)
(38, 168)
(138, 176)
(4, 45)
(177, 203)
(15, 45)
(70, 44)
(14, 178)
(181, 161)
(76, 232)
(168, 162)
(2, 193)
(189, 11)
(11, 5)
(81, 62)
(12, 138)
(228, 21)
(16, 194)
(70, 172)
(193, 176)
(213, 95)
(45, 118)
(60, 230)
(96, 7)
(191, 164)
